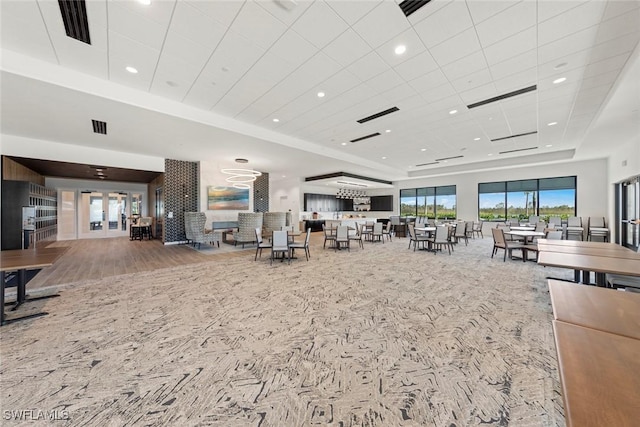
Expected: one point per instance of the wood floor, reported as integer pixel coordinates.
(89, 259)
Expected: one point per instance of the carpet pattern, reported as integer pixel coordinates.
(377, 337)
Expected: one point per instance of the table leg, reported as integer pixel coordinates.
(601, 280)
(2, 277)
(576, 276)
(22, 286)
(586, 277)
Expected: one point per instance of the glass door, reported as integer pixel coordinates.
(630, 207)
(102, 214)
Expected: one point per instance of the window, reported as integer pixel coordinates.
(518, 200)
(429, 202)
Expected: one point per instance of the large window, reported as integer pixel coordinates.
(429, 202)
(518, 200)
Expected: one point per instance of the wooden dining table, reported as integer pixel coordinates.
(587, 263)
(615, 251)
(21, 261)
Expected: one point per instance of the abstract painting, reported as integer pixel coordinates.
(227, 198)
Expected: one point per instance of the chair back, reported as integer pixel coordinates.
(377, 228)
(574, 221)
(596, 221)
(394, 220)
(442, 234)
(555, 220)
(554, 235)
(498, 236)
(412, 232)
(280, 240)
(342, 232)
(540, 226)
(387, 229)
(259, 235)
(533, 219)
(145, 221)
(306, 239)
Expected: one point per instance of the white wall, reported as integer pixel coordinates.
(210, 175)
(284, 195)
(592, 185)
(624, 163)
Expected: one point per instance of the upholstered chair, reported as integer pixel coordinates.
(247, 224)
(273, 221)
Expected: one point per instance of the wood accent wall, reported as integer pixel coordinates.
(13, 171)
(153, 185)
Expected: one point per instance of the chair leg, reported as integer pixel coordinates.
(256, 257)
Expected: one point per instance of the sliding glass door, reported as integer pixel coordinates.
(102, 214)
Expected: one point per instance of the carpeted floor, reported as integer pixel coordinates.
(377, 337)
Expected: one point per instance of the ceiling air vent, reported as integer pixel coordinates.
(74, 16)
(99, 127)
(427, 164)
(519, 149)
(514, 136)
(365, 137)
(411, 6)
(503, 96)
(380, 114)
(448, 158)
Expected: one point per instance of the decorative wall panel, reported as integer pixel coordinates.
(181, 184)
(261, 193)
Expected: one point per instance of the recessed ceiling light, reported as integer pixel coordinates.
(549, 145)
(453, 111)
(131, 70)
(489, 154)
(444, 161)
(145, 2)
(552, 124)
(225, 69)
(423, 149)
(560, 80)
(560, 65)
(172, 84)
(344, 143)
(400, 49)
(476, 139)
(284, 176)
(320, 94)
(388, 130)
(384, 158)
(276, 120)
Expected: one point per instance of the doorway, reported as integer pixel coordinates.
(102, 214)
(629, 212)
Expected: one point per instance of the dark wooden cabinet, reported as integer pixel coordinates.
(329, 203)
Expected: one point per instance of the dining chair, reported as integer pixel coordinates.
(574, 227)
(441, 238)
(477, 229)
(416, 239)
(359, 236)
(302, 245)
(261, 243)
(499, 242)
(280, 244)
(387, 231)
(342, 236)
(376, 234)
(328, 236)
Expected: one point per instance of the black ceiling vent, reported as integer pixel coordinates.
(99, 127)
(380, 114)
(365, 137)
(515, 136)
(411, 6)
(519, 149)
(504, 96)
(448, 158)
(427, 164)
(74, 16)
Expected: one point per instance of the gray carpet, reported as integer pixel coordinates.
(377, 337)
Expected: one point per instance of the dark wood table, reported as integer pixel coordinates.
(612, 252)
(607, 310)
(599, 372)
(587, 263)
(21, 261)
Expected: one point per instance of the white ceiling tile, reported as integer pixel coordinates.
(381, 24)
(619, 26)
(353, 10)
(621, 7)
(226, 56)
(258, 25)
(576, 19)
(602, 79)
(286, 15)
(319, 24)
(575, 60)
(445, 23)
(465, 66)
(572, 76)
(293, 48)
(203, 94)
(615, 47)
(186, 50)
(507, 23)
(399, 93)
(136, 27)
(516, 81)
(337, 84)
(428, 81)
(171, 85)
(407, 38)
(575, 42)
(549, 9)
(368, 66)
(385, 81)
(347, 48)
(416, 66)
(511, 46)
(605, 66)
(271, 68)
(514, 65)
(428, 10)
(220, 10)
(192, 24)
(319, 68)
(483, 10)
(457, 47)
(479, 93)
(22, 30)
(133, 53)
(477, 79)
(444, 91)
(158, 11)
(174, 69)
(141, 80)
